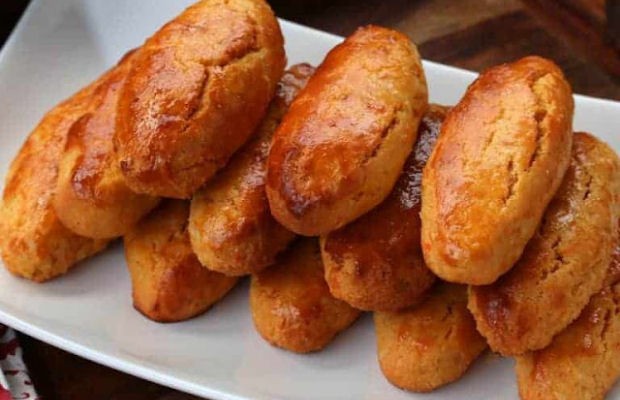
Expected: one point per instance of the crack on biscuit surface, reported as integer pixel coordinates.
(200, 94)
(558, 259)
(394, 120)
(588, 187)
(513, 178)
(539, 119)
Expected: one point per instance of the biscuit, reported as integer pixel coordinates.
(582, 362)
(291, 304)
(195, 93)
(375, 262)
(431, 345)
(230, 225)
(565, 262)
(344, 141)
(35, 244)
(168, 282)
(501, 155)
(92, 198)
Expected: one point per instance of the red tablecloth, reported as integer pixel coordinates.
(15, 381)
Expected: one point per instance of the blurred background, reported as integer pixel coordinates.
(582, 36)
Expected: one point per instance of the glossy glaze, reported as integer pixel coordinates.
(231, 227)
(564, 264)
(195, 93)
(341, 147)
(501, 156)
(375, 262)
(35, 245)
(92, 198)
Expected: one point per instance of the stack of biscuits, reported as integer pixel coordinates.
(339, 190)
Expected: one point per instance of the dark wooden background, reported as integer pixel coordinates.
(582, 36)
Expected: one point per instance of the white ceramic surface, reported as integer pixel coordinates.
(59, 46)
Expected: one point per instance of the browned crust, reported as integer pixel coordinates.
(501, 156)
(35, 245)
(169, 283)
(565, 262)
(230, 225)
(291, 304)
(195, 92)
(582, 362)
(375, 262)
(92, 198)
(430, 345)
(342, 145)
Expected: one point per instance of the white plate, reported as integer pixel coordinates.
(59, 46)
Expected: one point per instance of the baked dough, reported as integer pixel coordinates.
(582, 362)
(168, 282)
(195, 93)
(501, 155)
(92, 198)
(344, 141)
(565, 262)
(291, 304)
(375, 262)
(431, 345)
(230, 224)
(34, 243)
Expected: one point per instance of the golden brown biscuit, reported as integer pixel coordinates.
(230, 225)
(582, 362)
(195, 93)
(501, 155)
(375, 262)
(34, 243)
(92, 198)
(431, 345)
(565, 262)
(169, 283)
(291, 304)
(344, 141)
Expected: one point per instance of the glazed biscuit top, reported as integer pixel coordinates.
(562, 257)
(92, 135)
(338, 122)
(31, 181)
(238, 192)
(396, 221)
(505, 138)
(166, 94)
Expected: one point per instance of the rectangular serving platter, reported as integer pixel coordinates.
(61, 45)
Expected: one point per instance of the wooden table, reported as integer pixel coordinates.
(472, 34)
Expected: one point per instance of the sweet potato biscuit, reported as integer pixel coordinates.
(169, 283)
(92, 198)
(431, 345)
(291, 304)
(230, 225)
(195, 93)
(501, 155)
(582, 362)
(344, 141)
(565, 262)
(34, 243)
(375, 262)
